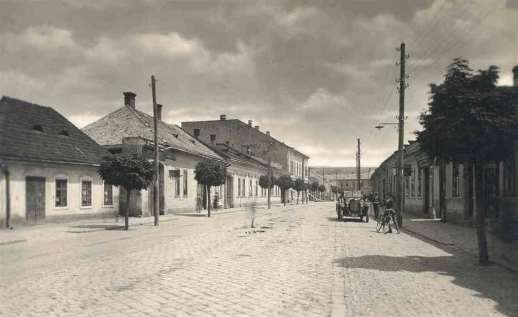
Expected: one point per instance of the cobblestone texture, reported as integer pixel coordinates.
(298, 261)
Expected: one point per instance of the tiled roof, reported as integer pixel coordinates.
(20, 138)
(129, 122)
(236, 157)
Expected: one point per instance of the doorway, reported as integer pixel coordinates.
(34, 199)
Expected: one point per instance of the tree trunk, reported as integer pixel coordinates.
(442, 189)
(483, 257)
(208, 200)
(126, 213)
(284, 195)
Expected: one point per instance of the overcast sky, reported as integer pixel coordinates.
(317, 74)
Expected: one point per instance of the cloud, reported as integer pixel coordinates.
(318, 75)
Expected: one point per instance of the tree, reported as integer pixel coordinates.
(284, 182)
(210, 173)
(321, 189)
(298, 185)
(314, 188)
(469, 120)
(263, 182)
(129, 172)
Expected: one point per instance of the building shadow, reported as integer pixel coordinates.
(491, 282)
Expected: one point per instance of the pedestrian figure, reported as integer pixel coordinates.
(252, 214)
(375, 205)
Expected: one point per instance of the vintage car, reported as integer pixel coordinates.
(352, 207)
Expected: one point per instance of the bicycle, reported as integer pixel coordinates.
(386, 221)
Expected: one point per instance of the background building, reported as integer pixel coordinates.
(251, 140)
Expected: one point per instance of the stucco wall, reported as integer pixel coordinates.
(74, 175)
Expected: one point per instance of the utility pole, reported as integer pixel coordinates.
(401, 124)
(269, 175)
(156, 194)
(323, 181)
(358, 167)
(336, 186)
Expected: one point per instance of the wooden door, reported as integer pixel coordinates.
(35, 199)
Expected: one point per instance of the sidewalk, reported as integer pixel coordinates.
(463, 238)
(56, 231)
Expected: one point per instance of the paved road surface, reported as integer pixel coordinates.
(298, 261)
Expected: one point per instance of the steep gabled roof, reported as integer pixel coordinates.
(32, 132)
(129, 122)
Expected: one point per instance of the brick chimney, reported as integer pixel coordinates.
(222, 117)
(250, 122)
(515, 76)
(129, 99)
(257, 127)
(159, 112)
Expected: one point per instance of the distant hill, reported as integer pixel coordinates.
(340, 172)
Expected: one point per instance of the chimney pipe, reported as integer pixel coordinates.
(159, 112)
(515, 76)
(129, 99)
(250, 123)
(268, 133)
(257, 127)
(222, 117)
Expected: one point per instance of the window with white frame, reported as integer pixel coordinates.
(61, 184)
(86, 192)
(250, 189)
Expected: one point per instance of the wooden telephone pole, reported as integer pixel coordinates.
(156, 191)
(401, 124)
(358, 167)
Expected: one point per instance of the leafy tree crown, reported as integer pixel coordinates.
(130, 172)
(469, 118)
(210, 173)
(284, 182)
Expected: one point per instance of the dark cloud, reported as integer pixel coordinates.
(316, 74)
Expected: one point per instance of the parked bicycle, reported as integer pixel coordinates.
(387, 221)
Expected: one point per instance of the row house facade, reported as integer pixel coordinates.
(251, 140)
(129, 129)
(48, 167)
(434, 190)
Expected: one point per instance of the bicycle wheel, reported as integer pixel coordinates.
(379, 224)
(394, 221)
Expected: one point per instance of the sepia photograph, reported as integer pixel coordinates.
(333, 158)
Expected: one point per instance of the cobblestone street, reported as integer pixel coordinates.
(298, 261)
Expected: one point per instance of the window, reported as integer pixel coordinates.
(108, 194)
(185, 183)
(243, 186)
(256, 188)
(61, 192)
(509, 177)
(412, 183)
(455, 181)
(176, 181)
(37, 127)
(419, 181)
(86, 193)
(212, 138)
(250, 191)
(196, 133)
